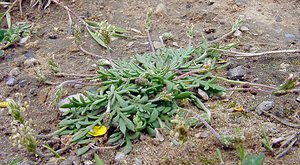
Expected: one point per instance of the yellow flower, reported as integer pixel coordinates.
(3, 104)
(239, 109)
(98, 131)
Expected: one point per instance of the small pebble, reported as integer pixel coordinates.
(203, 95)
(290, 36)
(28, 55)
(14, 72)
(23, 40)
(264, 106)
(88, 162)
(11, 81)
(244, 28)
(130, 44)
(138, 161)
(160, 10)
(237, 73)
(240, 2)
(120, 156)
(22, 83)
(204, 134)
(278, 19)
(157, 44)
(237, 33)
(175, 44)
(30, 62)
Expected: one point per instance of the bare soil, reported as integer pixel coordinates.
(269, 22)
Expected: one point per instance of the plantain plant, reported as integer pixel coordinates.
(142, 93)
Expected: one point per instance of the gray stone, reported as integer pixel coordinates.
(264, 106)
(290, 36)
(11, 81)
(23, 40)
(237, 33)
(240, 2)
(28, 55)
(157, 44)
(160, 10)
(203, 95)
(204, 134)
(14, 72)
(237, 73)
(278, 19)
(244, 28)
(22, 83)
(30, 62)
(120, 157)
(138, 161)
(88, 162)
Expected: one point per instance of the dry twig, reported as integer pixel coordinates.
(74, 75)
(281, 120)
(242, 54)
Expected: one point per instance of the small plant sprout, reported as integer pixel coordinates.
(265, 142)
(149, 20)
(58, 94)
(190, 33)
(139, 95)
(238, 23)
(54, 65)
(167, 36)
(103, 32)
(148, 26)
(14, 34)
(242, 152)
(40, 76)
(288, 85)
(220, 156)
(229, 140)
(22, 132)
(181, 129)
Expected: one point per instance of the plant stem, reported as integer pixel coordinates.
(74, 75)
(287, 149)
(242, 82)
(150, 41)
(51, 134)
(218, 136)
(281, 120)
(9, 9)
(69, 10)
(60, 151)
(241, 54)
(247, 90)
(222, 37)
(90, 53)
(184, 75)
